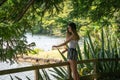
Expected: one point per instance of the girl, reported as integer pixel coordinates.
(72, 38)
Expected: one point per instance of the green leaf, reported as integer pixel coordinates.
(91, 46)
(18, 78)
(11, 77)
(46, 74)
(40, 76)
(28, 78)
(65, 59)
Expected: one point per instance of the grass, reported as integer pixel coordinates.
(53, 54)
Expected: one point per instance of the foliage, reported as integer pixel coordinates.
(34, 51)
(107, 46)
(17, 78)
(59, 73)
(12, 41)
(18, 17)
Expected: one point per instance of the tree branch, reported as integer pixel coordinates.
(21, 14)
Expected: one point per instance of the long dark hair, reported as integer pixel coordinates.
(74, 30)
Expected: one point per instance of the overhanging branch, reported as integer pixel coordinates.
(21, 14)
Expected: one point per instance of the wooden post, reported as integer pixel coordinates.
(95, 70)
(36, 71)
(37, 74)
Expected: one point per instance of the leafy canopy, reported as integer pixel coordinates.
(19, 16)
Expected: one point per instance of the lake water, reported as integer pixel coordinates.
(43, 42)
(22, 75)
(46, 42)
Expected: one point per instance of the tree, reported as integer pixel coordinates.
(18, 16)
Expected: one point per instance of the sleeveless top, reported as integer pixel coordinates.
(73, 44)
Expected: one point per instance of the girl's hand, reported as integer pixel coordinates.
(64, 51)
(53, 47)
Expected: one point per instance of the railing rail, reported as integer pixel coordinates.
(34, 67)
(37, 67)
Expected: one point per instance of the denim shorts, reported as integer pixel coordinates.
(72, 54)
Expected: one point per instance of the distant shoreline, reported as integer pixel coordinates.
(36, 60)
(44, 57)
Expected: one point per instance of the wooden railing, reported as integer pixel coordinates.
(37, 67)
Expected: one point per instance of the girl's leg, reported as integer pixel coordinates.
(73, 66)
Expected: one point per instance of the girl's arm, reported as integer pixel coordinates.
(62, 44)
(64, 50)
